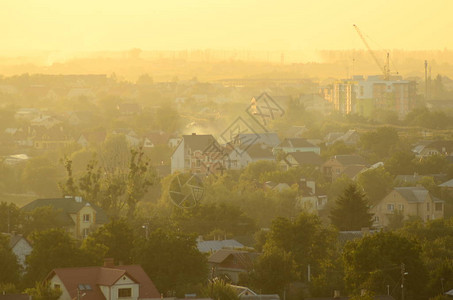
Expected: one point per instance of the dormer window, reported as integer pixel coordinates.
(86, 217)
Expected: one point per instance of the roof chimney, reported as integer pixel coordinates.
(109, 262)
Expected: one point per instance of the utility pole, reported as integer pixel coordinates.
(403, 272)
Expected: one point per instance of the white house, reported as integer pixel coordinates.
(108, 282)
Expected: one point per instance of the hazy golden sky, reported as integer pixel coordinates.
(92, 25)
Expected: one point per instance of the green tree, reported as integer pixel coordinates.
(351, 211)
(434, 164)
(41, 219)
(305, 238)
(43, 291)
(53, 248)
(218, 289)
(117, 237)
(8, 262)
(172, 260)
(376, 183)
(401, 163)
(381, 141)
(204, 218)
(41, 176)
(10, 217)
(273, 271)
(375, 261)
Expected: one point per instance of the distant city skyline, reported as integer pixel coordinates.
(102, 25)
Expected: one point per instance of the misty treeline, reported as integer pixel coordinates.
(210, 64)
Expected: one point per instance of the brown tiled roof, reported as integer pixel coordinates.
(92, 277)
(244, 258)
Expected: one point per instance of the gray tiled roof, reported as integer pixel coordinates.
(66, 206)
(212, 246)
(413, 194)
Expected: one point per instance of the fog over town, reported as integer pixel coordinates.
(226, 150)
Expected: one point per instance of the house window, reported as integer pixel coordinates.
(124, 293)
(85, 232)
(400, 207)
(86, 218)
(438, 206)
(390, 207)
(427, 206)
(376, 218)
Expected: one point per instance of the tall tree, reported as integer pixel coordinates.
(9, 267)
(117, 237)
(172, 261)
(308, 241)
(351, 211)
(273, 271)
(377, 260)
(53, 248)
(376, 183)
(218, 289)
(10, 217)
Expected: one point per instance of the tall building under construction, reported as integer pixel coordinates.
(365, 96)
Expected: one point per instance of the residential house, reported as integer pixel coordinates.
(300, 159)
(407, 201)
(52, 138)
(408, 179)
(240, 157)
(213, 246)
(270, 139)
(198, 154)
(338, 165)
(27, 113)
(297, 145)
(309, 199)
(77, 216)
(44, 121)
(430, 148)
(108, 282)
(230, 263)
(20, 246)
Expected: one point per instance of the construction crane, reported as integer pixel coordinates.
(384, 69)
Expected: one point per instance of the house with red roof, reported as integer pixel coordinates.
(108, 282)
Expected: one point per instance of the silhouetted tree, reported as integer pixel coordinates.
(351, 211)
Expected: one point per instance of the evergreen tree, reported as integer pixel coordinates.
(351, 211)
